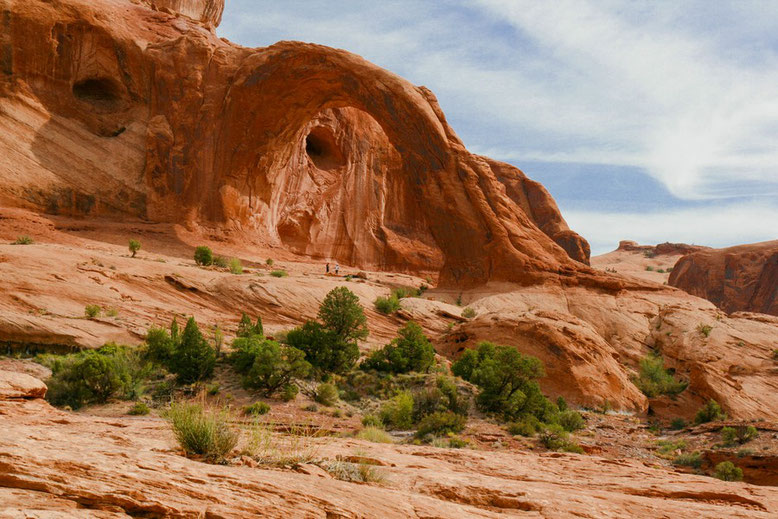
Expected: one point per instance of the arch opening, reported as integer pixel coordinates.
(103, 94)
(322, 149)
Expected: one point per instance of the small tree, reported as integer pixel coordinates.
(508, 381)
(246, 329)
(266, 365)
(410, 351)
(323, 348)
(276, 367)
(343, 315)
(134, 247)
(203, 255)
(193, 358)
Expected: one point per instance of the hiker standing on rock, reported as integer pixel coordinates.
(327, 269)
(337, 269)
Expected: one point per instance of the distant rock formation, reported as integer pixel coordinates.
(742, 278)
(663, 249)
(115, 108)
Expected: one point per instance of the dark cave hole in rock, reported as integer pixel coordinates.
(323, 150)
(103, 94)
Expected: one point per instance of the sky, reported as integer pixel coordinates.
(647, 121)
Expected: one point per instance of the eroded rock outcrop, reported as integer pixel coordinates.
(742, 278)
(115, 108)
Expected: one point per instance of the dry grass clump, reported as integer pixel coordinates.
(301, 445)
(204, 432)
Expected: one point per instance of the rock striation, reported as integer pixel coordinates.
(113, 108)
(742, 278)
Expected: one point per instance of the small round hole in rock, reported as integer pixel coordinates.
(102, 93)
(322, 148)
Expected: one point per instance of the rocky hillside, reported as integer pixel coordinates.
(742, 278)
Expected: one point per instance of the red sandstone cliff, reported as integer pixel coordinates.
(742, 278)
(114, 108)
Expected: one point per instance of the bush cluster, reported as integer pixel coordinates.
(187, 354)
(410, 351)
(710, 412)
(738, 435)
(330, 344)
(507, 381)
(95, 376)
(267, 365)
(655, 380)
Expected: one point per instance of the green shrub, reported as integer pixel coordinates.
(289, 392)
(571, 420)
(387, 305)
(92, 311)
(267, 366)
(23, 240)
(220, 261)
(95, 376)
(278, 273)
(326, 394)
(528, 426)
(409, 351)
(370, 420)
(256, 409)
(375, 435)
(710, 412)
(667, 447)
(727, 471)
(139, 408)
(507, 381)
(236, 267)
(468, 313)
(323, 348)
(738, 435)
(403, 292)
(561, 404)
(649, 268)
(398, 412)
(677, 424)
(203, 255)
(214, 389)
(201, 432)
(312, 408)
(111, 312)
(441, 423)
(555, 438)
(705, 329)
(269, 262)
(193, 358)
(655, 380)
(134, 247)
(693, 460)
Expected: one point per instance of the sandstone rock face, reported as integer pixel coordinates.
(208, 11)
(112, 108)
(742, 278)
(15, 385)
